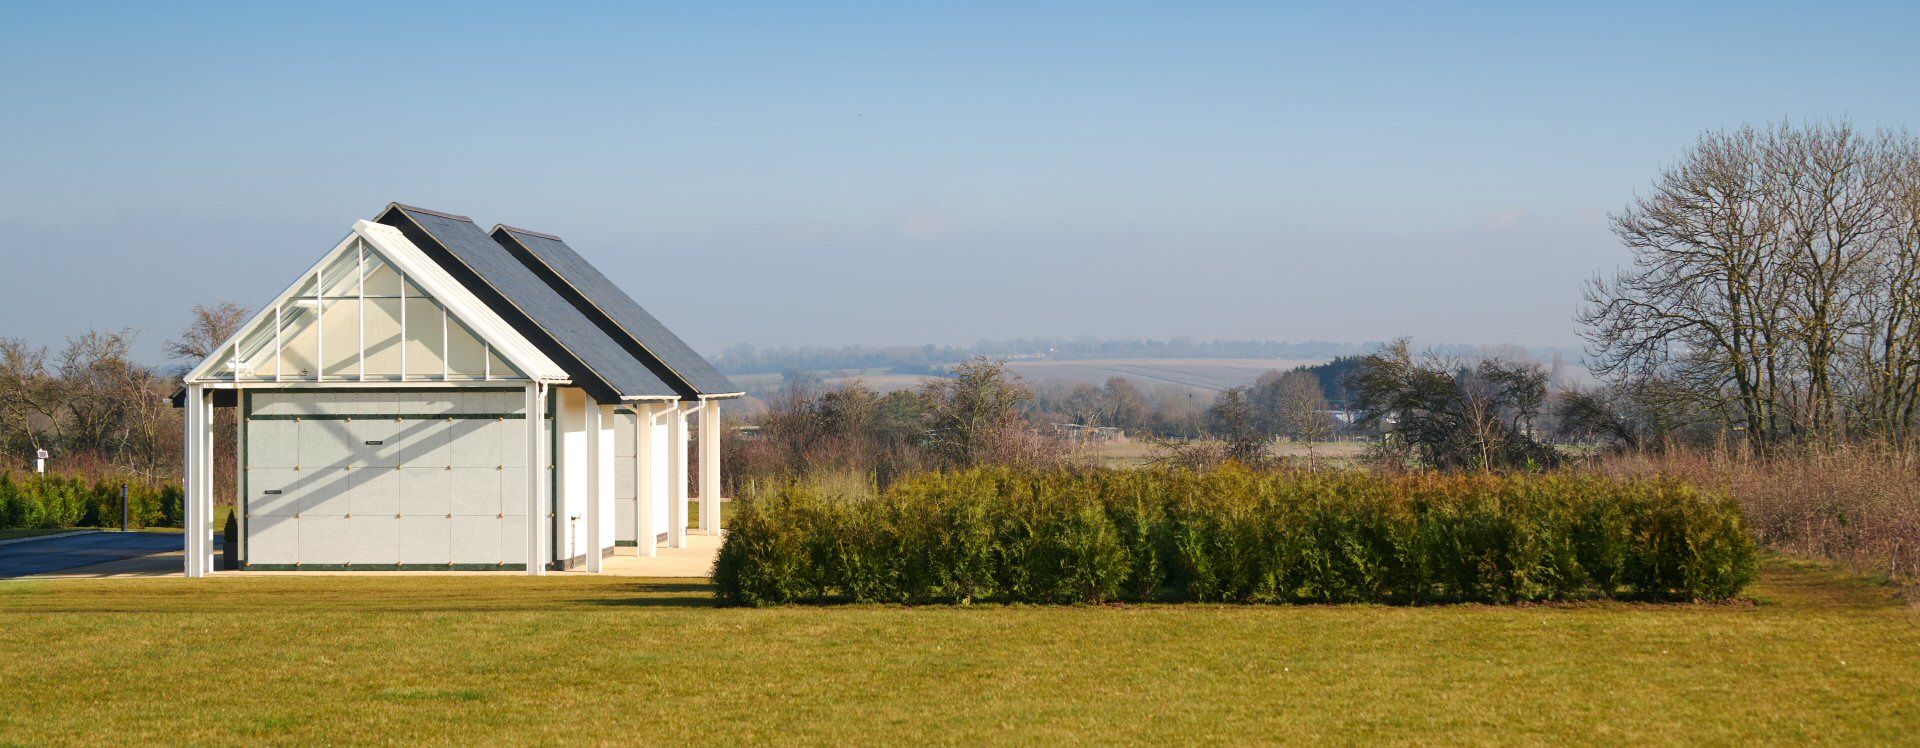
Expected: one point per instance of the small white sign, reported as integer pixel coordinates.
(40, 454)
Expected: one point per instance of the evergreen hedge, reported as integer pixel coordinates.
(1237, 535)
(52, 501)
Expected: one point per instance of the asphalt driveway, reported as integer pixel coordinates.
(54, 554)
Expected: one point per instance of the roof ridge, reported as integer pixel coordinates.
(432, 212)
(528, 232)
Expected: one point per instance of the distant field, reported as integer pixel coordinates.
(1212, 375)
(1137, 452)
(1199, 373)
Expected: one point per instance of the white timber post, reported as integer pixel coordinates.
(676, 476)
(710, 467)
(644, 474)
(539, 528)
(593, 415)
(190, 475)
(609, 494)
(568, 479)
(240, 478)
(207, 565)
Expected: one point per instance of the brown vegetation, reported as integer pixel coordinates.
(856, 438)
(1860, 506)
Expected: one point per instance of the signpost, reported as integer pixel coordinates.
(40, 461)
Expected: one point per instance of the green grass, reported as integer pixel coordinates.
(493, 660)
(693, 515)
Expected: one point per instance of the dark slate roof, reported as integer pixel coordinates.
(600, 363)
(586, 287)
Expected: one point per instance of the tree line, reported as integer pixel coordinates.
(744, 358)
(94, 408)
(975, 416)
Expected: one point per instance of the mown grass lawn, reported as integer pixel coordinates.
(505, 660)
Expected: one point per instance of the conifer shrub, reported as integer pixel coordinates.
(55, 501)
(1232, 534)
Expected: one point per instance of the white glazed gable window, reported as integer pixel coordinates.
(359, 319)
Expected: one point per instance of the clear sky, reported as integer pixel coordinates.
(799, 173)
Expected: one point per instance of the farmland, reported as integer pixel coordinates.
(1204, 375)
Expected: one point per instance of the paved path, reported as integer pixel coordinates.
(66, 552)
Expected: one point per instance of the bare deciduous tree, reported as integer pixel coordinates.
(1301, 410)
(210, 326)
(975, 414)
(1774, 274)
(1231, 419)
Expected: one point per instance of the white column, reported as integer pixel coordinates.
(590, 545)
(710, 467)
(240, 476)
(676, 476)
(190, 476)
(644, 475)
(207, 563)
(569, 470)
(539, 527)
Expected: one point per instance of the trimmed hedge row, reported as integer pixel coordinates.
(1237, 535)
(54, 501)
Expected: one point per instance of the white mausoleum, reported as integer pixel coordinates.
(432, 396)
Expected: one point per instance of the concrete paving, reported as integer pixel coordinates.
(695, 560)
(52, 554)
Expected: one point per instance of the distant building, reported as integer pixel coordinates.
(1081, 434)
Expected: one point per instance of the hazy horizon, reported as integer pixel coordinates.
(871, 174)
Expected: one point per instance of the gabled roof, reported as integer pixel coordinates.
(430, 277)
(591, 291)
(597, 362)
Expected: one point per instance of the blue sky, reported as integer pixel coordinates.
(889, 173)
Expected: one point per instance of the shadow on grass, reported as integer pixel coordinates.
(661, 595)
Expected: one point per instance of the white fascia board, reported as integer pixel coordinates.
(199, 373)
(435, 280)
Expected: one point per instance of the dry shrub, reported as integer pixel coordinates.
(1859, 506)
